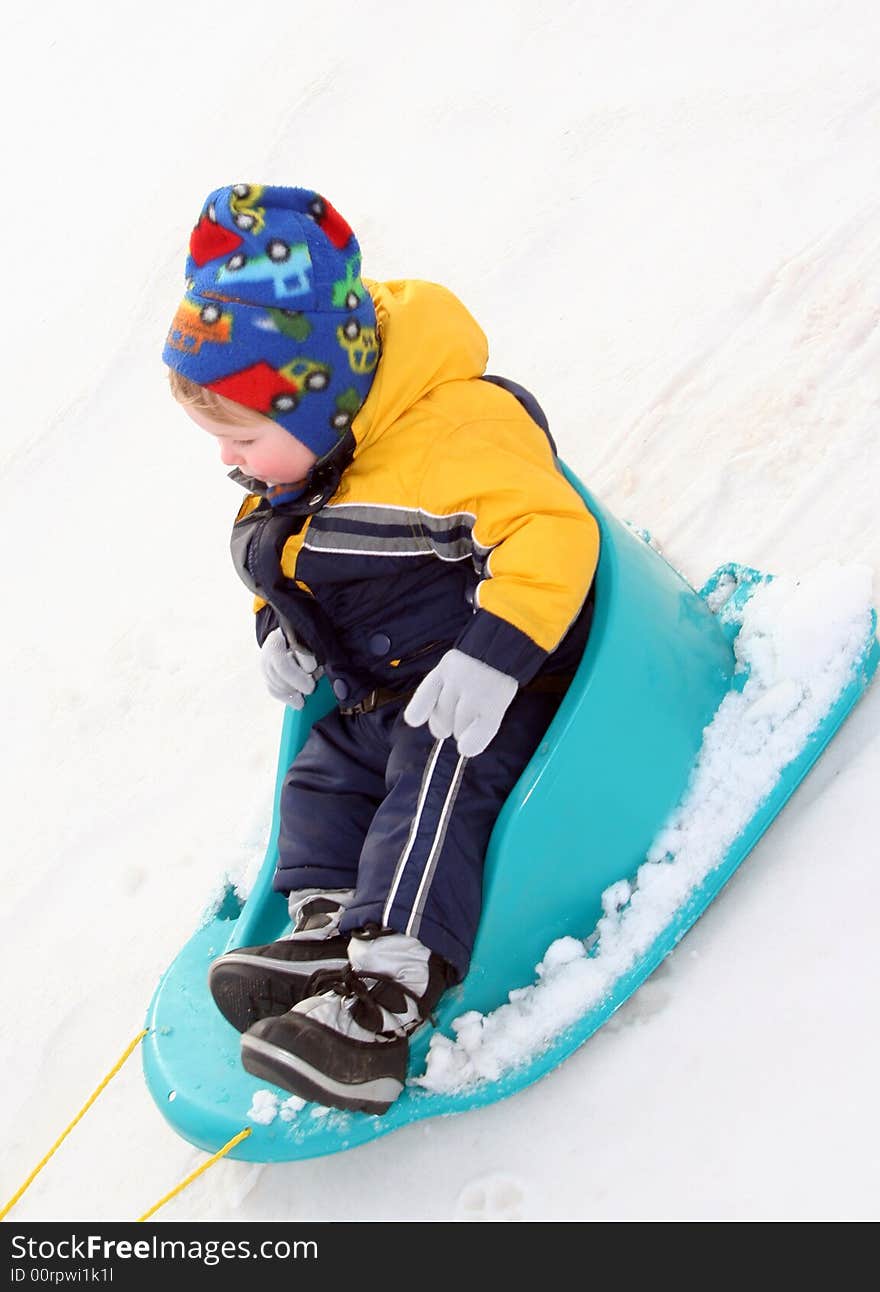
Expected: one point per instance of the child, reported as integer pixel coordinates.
(407, 533)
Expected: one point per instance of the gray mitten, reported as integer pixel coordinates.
(291, 672)
(464, 698)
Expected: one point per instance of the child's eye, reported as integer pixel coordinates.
(243, 444)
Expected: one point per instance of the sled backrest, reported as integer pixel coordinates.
(611, 768)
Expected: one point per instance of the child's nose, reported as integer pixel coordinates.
(229, 457)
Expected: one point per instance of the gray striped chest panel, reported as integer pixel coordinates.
(366, 530)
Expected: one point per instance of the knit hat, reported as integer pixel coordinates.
(275, 315)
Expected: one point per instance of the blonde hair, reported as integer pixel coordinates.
(207, 401)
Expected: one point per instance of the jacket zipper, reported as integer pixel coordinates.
(407, 659)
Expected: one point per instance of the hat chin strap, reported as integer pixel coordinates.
(319, 485)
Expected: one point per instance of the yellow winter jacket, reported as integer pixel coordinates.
(450, 467)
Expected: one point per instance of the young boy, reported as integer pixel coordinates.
(407, 533)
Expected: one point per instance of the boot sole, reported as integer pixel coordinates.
(248, 988)
(281, 1068)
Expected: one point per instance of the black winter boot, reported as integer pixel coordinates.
(251, 983)
(347, 1044)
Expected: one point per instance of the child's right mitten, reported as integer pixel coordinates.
(291, 671)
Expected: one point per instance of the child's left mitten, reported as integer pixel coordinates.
(464, 698)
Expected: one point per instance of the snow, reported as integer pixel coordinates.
(266, 1106)
(667, 218)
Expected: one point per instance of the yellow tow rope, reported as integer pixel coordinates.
(236, 1139)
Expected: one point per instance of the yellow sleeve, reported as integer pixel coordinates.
(532, 535)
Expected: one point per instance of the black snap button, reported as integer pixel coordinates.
(380, 644)
(341, 688)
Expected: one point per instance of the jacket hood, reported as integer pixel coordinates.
(426, 337)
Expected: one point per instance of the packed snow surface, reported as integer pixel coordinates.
(666, 217)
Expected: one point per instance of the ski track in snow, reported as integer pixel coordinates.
(806, 422)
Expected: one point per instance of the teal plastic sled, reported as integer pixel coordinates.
(614, 763)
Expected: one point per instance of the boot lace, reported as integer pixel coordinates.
(368, 991)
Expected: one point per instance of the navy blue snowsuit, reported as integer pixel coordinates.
(380, 591)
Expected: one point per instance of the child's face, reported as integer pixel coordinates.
(256, 444)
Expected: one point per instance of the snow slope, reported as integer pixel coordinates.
(667, 218)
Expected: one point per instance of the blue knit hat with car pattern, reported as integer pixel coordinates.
(275, 315)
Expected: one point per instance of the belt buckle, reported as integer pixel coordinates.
(366, 705)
